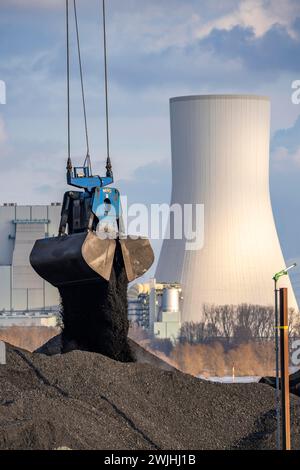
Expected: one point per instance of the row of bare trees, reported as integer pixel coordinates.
(230, 340)
(241, 323)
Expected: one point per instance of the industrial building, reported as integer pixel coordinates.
(220, 158)
(156, 308)
(41, 317)
(22, 292)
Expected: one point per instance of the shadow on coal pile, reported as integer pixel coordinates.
(265, 427)
(264, 436)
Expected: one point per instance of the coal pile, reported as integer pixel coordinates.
(95, 314)
(83, 400)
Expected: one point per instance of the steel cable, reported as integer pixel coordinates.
(68, 82)
(87, 160)
(108, 162)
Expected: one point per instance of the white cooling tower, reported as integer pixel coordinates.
(220, 158)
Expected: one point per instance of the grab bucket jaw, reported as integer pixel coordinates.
(84, 257)
(138, 256)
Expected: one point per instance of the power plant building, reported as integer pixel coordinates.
(220, 158)
(21, 289)
(156, 307)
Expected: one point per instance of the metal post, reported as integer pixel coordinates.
(11, 289)
(2, 353)
(152, 306)
(44, 295)
(278, 437)
(284, 363)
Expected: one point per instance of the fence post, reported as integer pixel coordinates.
(2, 353)
(284, 367)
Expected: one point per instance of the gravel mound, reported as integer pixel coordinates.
(137, 352)
(83, 400)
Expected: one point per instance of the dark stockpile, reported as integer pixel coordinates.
(83, 400)
(95, 314)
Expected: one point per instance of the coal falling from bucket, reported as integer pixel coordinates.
(94, 314)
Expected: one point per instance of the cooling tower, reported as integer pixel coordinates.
(220, 158)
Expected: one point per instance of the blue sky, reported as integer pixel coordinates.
(157, 49)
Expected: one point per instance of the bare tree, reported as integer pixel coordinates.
(242, 323)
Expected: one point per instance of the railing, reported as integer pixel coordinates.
(31, 221)
(37, 312)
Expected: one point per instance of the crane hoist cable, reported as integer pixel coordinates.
(108, 160)
(87, 158)
(69, 164)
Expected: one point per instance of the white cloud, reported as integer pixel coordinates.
(283, 160)
(281, 154)
(296, 157)
(260, 15)
(153, 26)
(156, 26)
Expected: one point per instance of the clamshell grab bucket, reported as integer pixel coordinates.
(84, 258)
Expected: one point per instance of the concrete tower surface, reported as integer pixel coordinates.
(220, 158)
